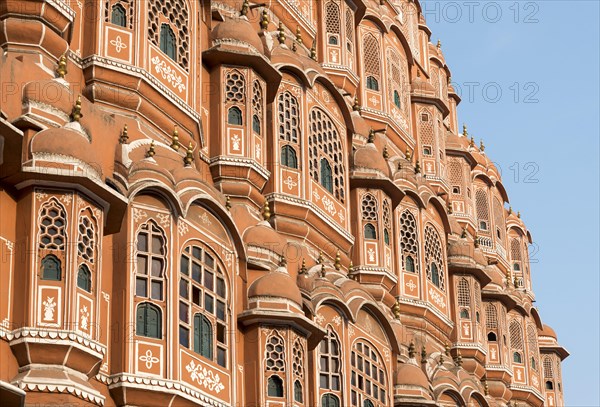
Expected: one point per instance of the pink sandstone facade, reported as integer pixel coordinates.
(211, 203)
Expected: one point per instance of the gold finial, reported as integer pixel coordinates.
(323, 270)
(472, 142)
(481, 145)
(510, 210)
(294, 47)
(476, 241)
(227, 202)
(281, 35)
(439, 44)
(408, 154)
(266, 212)
(76, 114)
(151, 151)
(124, 138)
(321, 259)
(245, 8)
(399, 165)
(418, 73)
(465, 132)
(264, 21)
(411, 350)
(282, 262)
(298, 35)
(519, 214)
(449, 207)
(356, 106)
(463, 235)
(338, 261)
(515, 281)
(417, 168)
(386, 153)
(458, 359)
(61, 70)
(447, 349)
(313, 51)
(371, 138)
(175, 139)
(396, 309)
(189, 156)
(303, 269)
(423, 354)
(350, 268)
(441, 360)
(486, 389)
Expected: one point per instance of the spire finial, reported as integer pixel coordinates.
(313, 51)
(298, 35)
(439, 44)
(463, 235)
(264, 20)
(476, 241)
(227, 202)
(294, 46)
(350, 267)
(323, 270)
(396, 309)
(458, 360)
(411, 350)
(417, 167)
(282, 262)
(76, 114)
(245, 8)
(61, 70)
(281, 35)
(408, 154)
(481, 145)
(465, 132)
(356, 106)
(151, 151)
(386, 153)
(423, 354)
(510, 210)
(371, 138)
(303, 269)
(189, 155)
(175, 139)
(449, 208)
(472, 142)
(321, 259)
(124, 138)
(338, 261)
(266, 212)
(447, 349)
(519, 214)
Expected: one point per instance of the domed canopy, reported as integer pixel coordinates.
(238, 29)
(277, 284)
(369, 157)
(547, 331)
(411, 375)
(264, 236)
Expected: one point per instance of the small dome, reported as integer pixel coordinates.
(66, 142)
(238, 29)
(264, 236)
(420, 86)
(276, 284)
(369, 157)
(547, 331)
(360, 125)
(411, 375)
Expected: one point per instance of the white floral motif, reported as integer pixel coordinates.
(85, 316)
(204, 218)
(337, 320)
(351, 331)
(205, 377)
(168, 73)
(371, 254)
(290, 182)
(149, 359)
(257, 151)
(40, 196)
(163, 218)
(319, 319)
(374, 100)
(236, 143)
(66, 198)
(328, 205)
(411, 285)
(49, 306)
(118, 44)
(139, 214)
(437, 298)
(106, 296)
(316, 195)
(182, 227)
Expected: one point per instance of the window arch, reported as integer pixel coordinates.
(516, 341)
(148, 321)
(372, 83)
(549, 385)
(517, 357)
(483, 210)
(289, 118)
(434, 260)
(168, 41)
(464, 313)
(288, 157)
(257, 107)
(298, 394)
(330, 362)
(84, 278)
(499, 220)
(333, 20)
(298, 370)
(369, 207)
(52, 232)
(235, 87)
(491, 337)
(177, 15)
(548, 368)
(369, 231)
(275, 386)
(86, 244)
(397, 101)
(234, 116)
(203, 294)
(409, 241)
(256, 124)
(464, 293)
(118, 15)
(151, 262)
(51, 268)
(372, 61)
(330, 400)
(275, 354)
(326, 162)
(368, 380)
(386, 237)
(532, 346)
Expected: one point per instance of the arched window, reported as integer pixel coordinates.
(203, 336)
(168, 41)
(516, 267)
(330, 363)
(333, 21)
(52, 235)
(548, 368)
(289, 118)
(203, 294)
(256, 124)
(549, 385)
(434, 257)
(298, 396)
(464, 313)
(464, 293)
(517, 357)
(326, 178)
(176, 12)
(330, 400)
(148, 321)
(370, 232)
(409, 264)
(51, 269)
(288, 157)
(275, 354)
(372, 83)
(532, 346)
(483, 209)
(333, 40)
(516, 340)
(86, 244)
(275, 386)
(118, 15)
(492, 337)
(386, 237)
(84, 278)
(151, 259)
(326, 158)
(368, 376)
(234, 116)
(397, 99)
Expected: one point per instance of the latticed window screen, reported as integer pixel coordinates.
(394, 63)
(409, 242)
(176, 12)
(235, 87)
(387, 214)
(483, 209)
(257, 107)
(515, 249)
(464, 293)
(119, 12)
(516, 336)
(330, 362)
(369, 207)
(332, 18)
(548, 368)
(491, 316)
(367, 381)
(426, 130)
(532, 347)
(275, 354)
(298, 370)
(434, 257)
(456, 175)
(324, 144)
(289, 117)
(86, 240)
(372, 56)
(499, 219)
(52, 226)
(349, 30)
(151, 262)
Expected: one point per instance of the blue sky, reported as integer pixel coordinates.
(528, 74)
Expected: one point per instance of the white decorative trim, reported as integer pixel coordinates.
(168, 73)
(205, 377)
(54, 336)
(77, 391)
